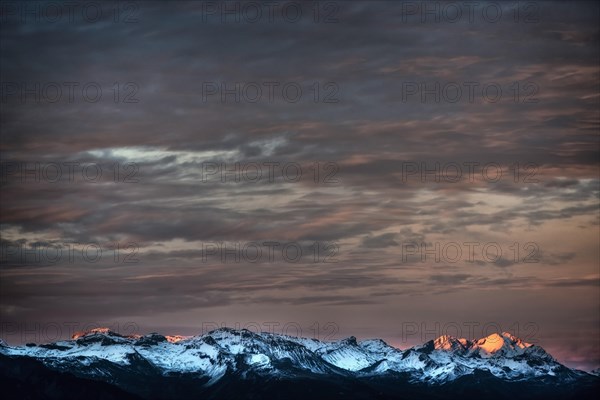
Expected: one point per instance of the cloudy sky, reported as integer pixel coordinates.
(380, 169)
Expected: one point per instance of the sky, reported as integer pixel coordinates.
(395, 170)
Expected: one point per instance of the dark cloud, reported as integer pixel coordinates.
(358, 192)
(384, 240)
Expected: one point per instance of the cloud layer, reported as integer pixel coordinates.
(412, 137)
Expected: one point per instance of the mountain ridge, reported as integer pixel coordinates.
(210, 361)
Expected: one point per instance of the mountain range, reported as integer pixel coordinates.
(240, 364)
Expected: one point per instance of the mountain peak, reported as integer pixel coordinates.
(446, 342)
(505, 343)
(176, 338)
(351, 340)
(490, 344)
(520, 343)
(94, 331)
(101, 331)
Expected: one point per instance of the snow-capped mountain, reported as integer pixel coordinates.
(219, 356)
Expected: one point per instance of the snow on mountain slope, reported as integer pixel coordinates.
(450, 343)
(504, 344)
(225, 350)
(504, 356)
